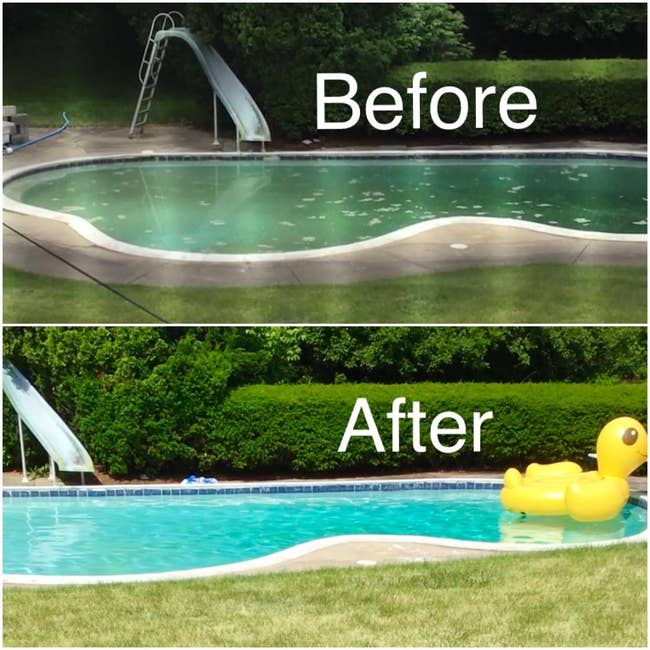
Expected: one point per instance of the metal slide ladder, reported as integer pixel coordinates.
(152, 59)
(250, 124)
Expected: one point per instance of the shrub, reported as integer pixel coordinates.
(561, 30)
(296, 41)
(575, 96)
(158, 423)
(297, 429)
(150, 399)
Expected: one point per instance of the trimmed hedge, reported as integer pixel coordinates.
(298, 429)
(146, 400)
(159, 426)
(574, 96)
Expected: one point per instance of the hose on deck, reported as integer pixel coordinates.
(7, 148)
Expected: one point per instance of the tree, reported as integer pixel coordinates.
(278, 49)
(146, 399)
(557, 30)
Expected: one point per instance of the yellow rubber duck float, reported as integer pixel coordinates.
(564, 489)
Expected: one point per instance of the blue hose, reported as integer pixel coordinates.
(7, 148)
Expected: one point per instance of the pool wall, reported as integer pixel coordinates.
(95, 236)
(297, 551)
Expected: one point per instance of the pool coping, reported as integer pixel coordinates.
(98, 238)
(299, 550)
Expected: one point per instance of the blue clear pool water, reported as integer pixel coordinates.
(117, 535)
(281, 205)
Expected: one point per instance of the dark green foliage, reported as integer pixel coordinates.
(582, 21)
(277, 49)
(59, 51)
(489, 354)
(557, 30)
(157, 423)
(150, 399)
(35, 455)
(298, 429)
(577, 96)
(141, 399)
(300, 40)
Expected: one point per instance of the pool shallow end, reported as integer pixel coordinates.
(282, 560)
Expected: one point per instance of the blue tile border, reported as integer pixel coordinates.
(372, 485)
(271, 488)
(642, 503)
(334, 155)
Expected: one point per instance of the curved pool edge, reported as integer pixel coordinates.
(274, 560)
(298, 551)
(100, 239)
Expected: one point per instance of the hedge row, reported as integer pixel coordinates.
(574, 96)
(181, 420)
(298, 429)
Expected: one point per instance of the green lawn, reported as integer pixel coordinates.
(509, 294)
(110, 103)
(581, 597)
(110, 110)
(92, 94)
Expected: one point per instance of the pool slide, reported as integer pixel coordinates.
(51, 431)
(238, 102)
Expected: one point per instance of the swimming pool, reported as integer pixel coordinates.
(156, 530)
(207, 207)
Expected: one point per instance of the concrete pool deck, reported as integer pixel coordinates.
(28, 239)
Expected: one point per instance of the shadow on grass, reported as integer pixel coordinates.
(508, 294)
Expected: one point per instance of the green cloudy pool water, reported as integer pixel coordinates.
(141, 534)
(257, 206)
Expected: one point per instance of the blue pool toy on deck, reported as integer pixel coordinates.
(198, 480)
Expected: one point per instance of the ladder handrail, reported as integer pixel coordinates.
(167, 22)
(178, 13)
(150, 65)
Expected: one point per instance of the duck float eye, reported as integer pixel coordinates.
(630, 436)
(565, 489)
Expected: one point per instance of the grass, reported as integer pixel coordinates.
(107, 104)
(508, 294)
(111, 110)
(580, 597)
(95, 96)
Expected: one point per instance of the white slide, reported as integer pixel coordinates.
(241, 107)
(41, 419)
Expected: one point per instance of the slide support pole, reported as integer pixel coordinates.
(214, 113)
(22, 450)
